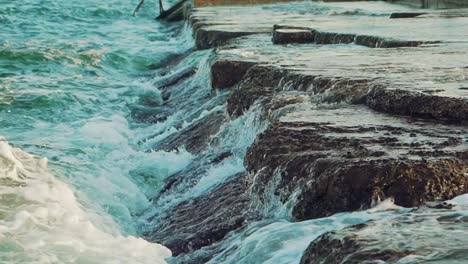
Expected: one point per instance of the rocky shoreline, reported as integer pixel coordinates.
(334, 141)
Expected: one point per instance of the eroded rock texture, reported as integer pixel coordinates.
(227, 73)
(439, 235)
(204, 220)
(301, 35)
(211, 38)
(195, 137)
(346, 159)
(416, 104)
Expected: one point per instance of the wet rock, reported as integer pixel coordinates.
(416, 104)
(440, 205)
(347, 158)
(330, 249)
(204, 220)
(288, 36)
(379, 42)
(190, 175)
(334, 38)
(211, 38)
(196, 136)
(150, 114)
(174, 79)
(411, 238)
(227, 73)
(257, 83)
(407, 15)
(263, 81)
(348, 186)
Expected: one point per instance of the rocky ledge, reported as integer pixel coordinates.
(348, 159)
(411, 238)
(288, 35)
(349, 126)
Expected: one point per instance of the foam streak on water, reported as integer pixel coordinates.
(42, 222)
(69, 70)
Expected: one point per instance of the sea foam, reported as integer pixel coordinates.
(41, 220)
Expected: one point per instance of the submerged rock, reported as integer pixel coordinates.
(195, 137)
(204, 220)
(416, 237)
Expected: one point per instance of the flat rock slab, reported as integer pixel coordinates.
(346, 159)
(227, 73)
(444, 73)
(287, 36)
(423, 235)
(301, 36)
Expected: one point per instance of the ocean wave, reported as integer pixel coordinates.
(31, 55)
(41, 220)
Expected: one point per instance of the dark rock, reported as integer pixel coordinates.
(438, 235)
(330, 249)
(174, 79)
(348, 186)
(346, 159)
(288, 36)
(407, 15)
(263, 81)
(379, 42)
(204, 220)
(227, 73)
(196, 136)
(416, 104)
(277, 26)
(440, 205)
(334, 38)
(211, 38)
(149, 114)
(190, 175)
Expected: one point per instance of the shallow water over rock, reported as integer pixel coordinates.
(241, 154)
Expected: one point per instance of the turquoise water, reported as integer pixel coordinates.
(69, 73)
(77, 169)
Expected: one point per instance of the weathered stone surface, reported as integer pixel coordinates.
(204, 220)
(334, 38)
(346, 159)
(196, 136)
(150, 114)
(351, 185)
(407, 14)
(416, 104)
(287, 36)
(263, 81)
(380, 42)
(227, 73)
(412, 237)
(211, 38)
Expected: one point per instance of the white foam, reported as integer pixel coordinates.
(42, 222)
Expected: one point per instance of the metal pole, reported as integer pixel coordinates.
(161, 8)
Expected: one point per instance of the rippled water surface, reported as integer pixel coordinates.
(69, 71)
(79, 109)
